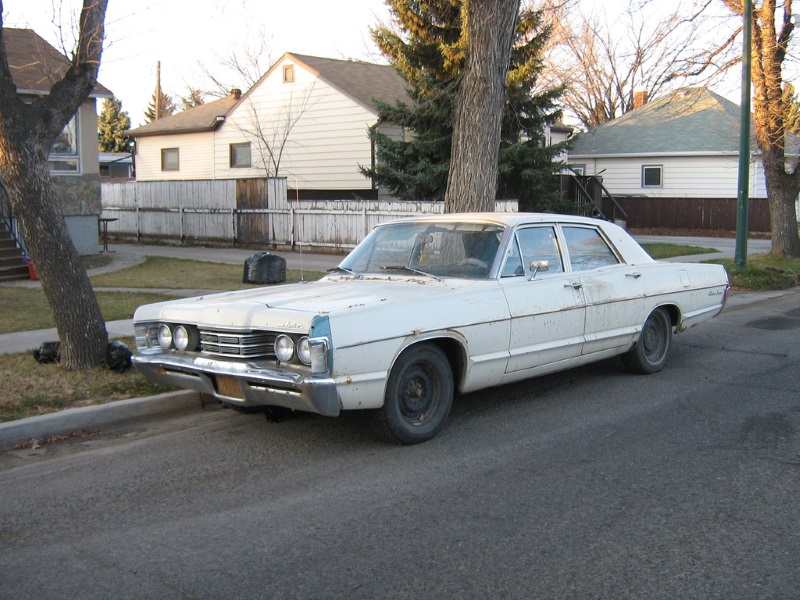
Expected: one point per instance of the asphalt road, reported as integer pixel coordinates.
(587, 484)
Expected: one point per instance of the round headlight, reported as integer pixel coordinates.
(165, 337)
(185, 338)
(284, 348)
(304, 351)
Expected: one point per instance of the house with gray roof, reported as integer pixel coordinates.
(306, 119)
(74, 166)
(674, 162)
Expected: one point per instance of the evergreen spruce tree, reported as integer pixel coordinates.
(166, 106)
(194, 99)
(112, 127)
(428, 52)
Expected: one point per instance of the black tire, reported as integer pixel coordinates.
(419, 395)
(652, 349)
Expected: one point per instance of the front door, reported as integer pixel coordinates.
(546, 304)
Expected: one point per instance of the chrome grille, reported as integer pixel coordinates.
(251, 344)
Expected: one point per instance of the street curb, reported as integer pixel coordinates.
(98, 417)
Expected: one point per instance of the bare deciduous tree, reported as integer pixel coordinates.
(27, 132)
(472, 180)
(270, 132)
(651, 48)
(241, 67)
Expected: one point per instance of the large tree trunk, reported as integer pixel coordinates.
(782, 191)
(79, 322)
(472, 181)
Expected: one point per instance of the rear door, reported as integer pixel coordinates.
(612, 289)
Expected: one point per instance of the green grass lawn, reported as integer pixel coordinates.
(179, 273)
(762, 272)
(24, 309)
(659, 250)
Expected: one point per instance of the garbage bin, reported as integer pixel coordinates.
(264, 267)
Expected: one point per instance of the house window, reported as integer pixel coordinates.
(578, 169)
(288, 73)
(651, 175)
(170, 159)
(240, 155)
(64, 154)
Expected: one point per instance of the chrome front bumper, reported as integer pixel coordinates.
(242, 384)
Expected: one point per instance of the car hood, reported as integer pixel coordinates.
(294, 306)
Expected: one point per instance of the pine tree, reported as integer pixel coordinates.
(166, 106)
(429, 54)
(194, 99)
(112, 127)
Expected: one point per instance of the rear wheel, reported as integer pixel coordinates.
(651, 351)
(419, 395)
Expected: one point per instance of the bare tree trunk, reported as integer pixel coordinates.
(472, 181)
(79, 322)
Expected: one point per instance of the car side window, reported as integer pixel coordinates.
(587, 248)
(534, 244)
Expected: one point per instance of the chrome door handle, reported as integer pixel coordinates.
(635, 275)
(575, 285)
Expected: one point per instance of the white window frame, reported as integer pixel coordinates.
(231, 150)
(68, 157)
(177, 162)
(660, 169)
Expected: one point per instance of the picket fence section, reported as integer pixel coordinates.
(249, 212)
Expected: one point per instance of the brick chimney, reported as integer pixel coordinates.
(639, 99)
(236, 93)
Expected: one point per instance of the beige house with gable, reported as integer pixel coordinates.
(306, 119)
(74, 165)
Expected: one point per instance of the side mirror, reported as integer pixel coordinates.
(539, 265)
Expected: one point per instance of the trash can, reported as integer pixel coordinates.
(264, 267)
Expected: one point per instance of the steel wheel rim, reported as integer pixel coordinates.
(418, 398)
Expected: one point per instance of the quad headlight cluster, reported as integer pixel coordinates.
(180, 337)
(288, 348)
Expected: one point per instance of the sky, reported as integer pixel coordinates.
(182, 34)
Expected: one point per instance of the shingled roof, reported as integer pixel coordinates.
(35, 65)
(361, 81)
(364, 82)
(688, 121)
(205, 117)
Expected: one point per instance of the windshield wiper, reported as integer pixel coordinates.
(345, 270)
(407, 268)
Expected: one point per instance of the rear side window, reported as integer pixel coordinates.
(587, 248)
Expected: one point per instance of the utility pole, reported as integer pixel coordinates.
(740, 257)
(157, 103)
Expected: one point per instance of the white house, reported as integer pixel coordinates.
(74, 166)
(306, 119)
(681, 150)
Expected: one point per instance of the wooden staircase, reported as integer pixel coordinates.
(12, 265)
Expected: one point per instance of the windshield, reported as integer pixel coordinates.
(436, 249)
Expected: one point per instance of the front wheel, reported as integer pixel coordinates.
(419, 395)
(651, 351)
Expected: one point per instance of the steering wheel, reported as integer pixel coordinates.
(475, 262)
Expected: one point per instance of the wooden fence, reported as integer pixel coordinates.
(253, 212)
(691, 213)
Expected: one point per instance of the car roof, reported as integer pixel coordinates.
(504, 218)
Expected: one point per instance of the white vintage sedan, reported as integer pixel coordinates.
(428, 307)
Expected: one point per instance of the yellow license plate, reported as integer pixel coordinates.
(229, 386)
